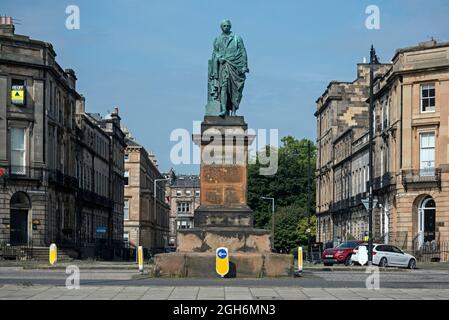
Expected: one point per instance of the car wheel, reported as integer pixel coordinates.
(383, 262)
(412, 264)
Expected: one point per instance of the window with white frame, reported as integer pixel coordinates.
(126, 209)
(188, 193)
(126, 238)
(126, 177)
(183, 207)
(18, 151)
(428, 97)
(427, 153)
(178, 193)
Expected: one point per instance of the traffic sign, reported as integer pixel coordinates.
(101, 229)
(222, 262)
(366, 203)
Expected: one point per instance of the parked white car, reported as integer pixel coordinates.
(385, 255)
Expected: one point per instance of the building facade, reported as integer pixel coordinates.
(411, 178)
(146, 212)
(342, 158)
(411, 147)
(37, 104)
(99, 154)
(183, 198)
(55, 177)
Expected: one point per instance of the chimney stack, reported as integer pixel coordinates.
(81, 105)
(6, 26)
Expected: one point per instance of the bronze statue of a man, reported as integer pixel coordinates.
(227, 71)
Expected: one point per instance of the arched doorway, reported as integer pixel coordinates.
(427, 221)
(20, 205)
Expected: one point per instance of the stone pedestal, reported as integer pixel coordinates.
(224, 218)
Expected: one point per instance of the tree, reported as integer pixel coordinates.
(289, 188)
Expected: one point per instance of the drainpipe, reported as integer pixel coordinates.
(401, 127)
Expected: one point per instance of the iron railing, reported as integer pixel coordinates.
(429, 177)
(12, 252)
(434, 251)
(23, 172)
(62, 180)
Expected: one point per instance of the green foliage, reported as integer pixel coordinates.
(302, 229)
(289, 188)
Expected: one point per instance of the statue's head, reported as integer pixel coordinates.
(226, 26)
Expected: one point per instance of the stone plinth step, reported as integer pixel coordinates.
(242, 265)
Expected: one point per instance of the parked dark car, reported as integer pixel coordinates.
(340, 254)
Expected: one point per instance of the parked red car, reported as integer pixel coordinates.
(340, 254)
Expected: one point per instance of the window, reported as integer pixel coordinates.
(183, 207)
(428, 97)
(18, 92)
(126, 210)
(17, 151)
(126, 239)
(197, 193)
(178, 193)
(126, 157)
(188, 193)
(427, 154)
(126, 177)
(183, 225)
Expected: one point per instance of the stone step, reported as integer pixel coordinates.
(42, 253)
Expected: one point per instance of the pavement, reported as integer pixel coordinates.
(117, 265)
(122, 281)
(16, 292)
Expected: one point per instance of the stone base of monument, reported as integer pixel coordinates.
(224, 218)
(236, 239)
(242, 265)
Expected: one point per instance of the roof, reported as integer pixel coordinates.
(185, 181)
(432, 44)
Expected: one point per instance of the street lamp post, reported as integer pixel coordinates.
(272, 219)
(155, 203)
(373, 61)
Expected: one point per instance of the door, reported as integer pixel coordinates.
(400, 258)
(427, 221)
(19, 227)
(392, 256)
(429, 225)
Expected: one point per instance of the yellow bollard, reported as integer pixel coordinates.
(140, 259)
(300, 260)
(53, 257)
(222, 262)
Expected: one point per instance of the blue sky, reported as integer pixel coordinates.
(150, 57)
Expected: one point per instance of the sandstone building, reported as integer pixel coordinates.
(146, 215)
(411, 178)
(61, 169)
(342, 158)
(183, 197)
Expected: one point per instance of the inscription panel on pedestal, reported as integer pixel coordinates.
(223, 185)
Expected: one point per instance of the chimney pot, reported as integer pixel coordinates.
(6, 26)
